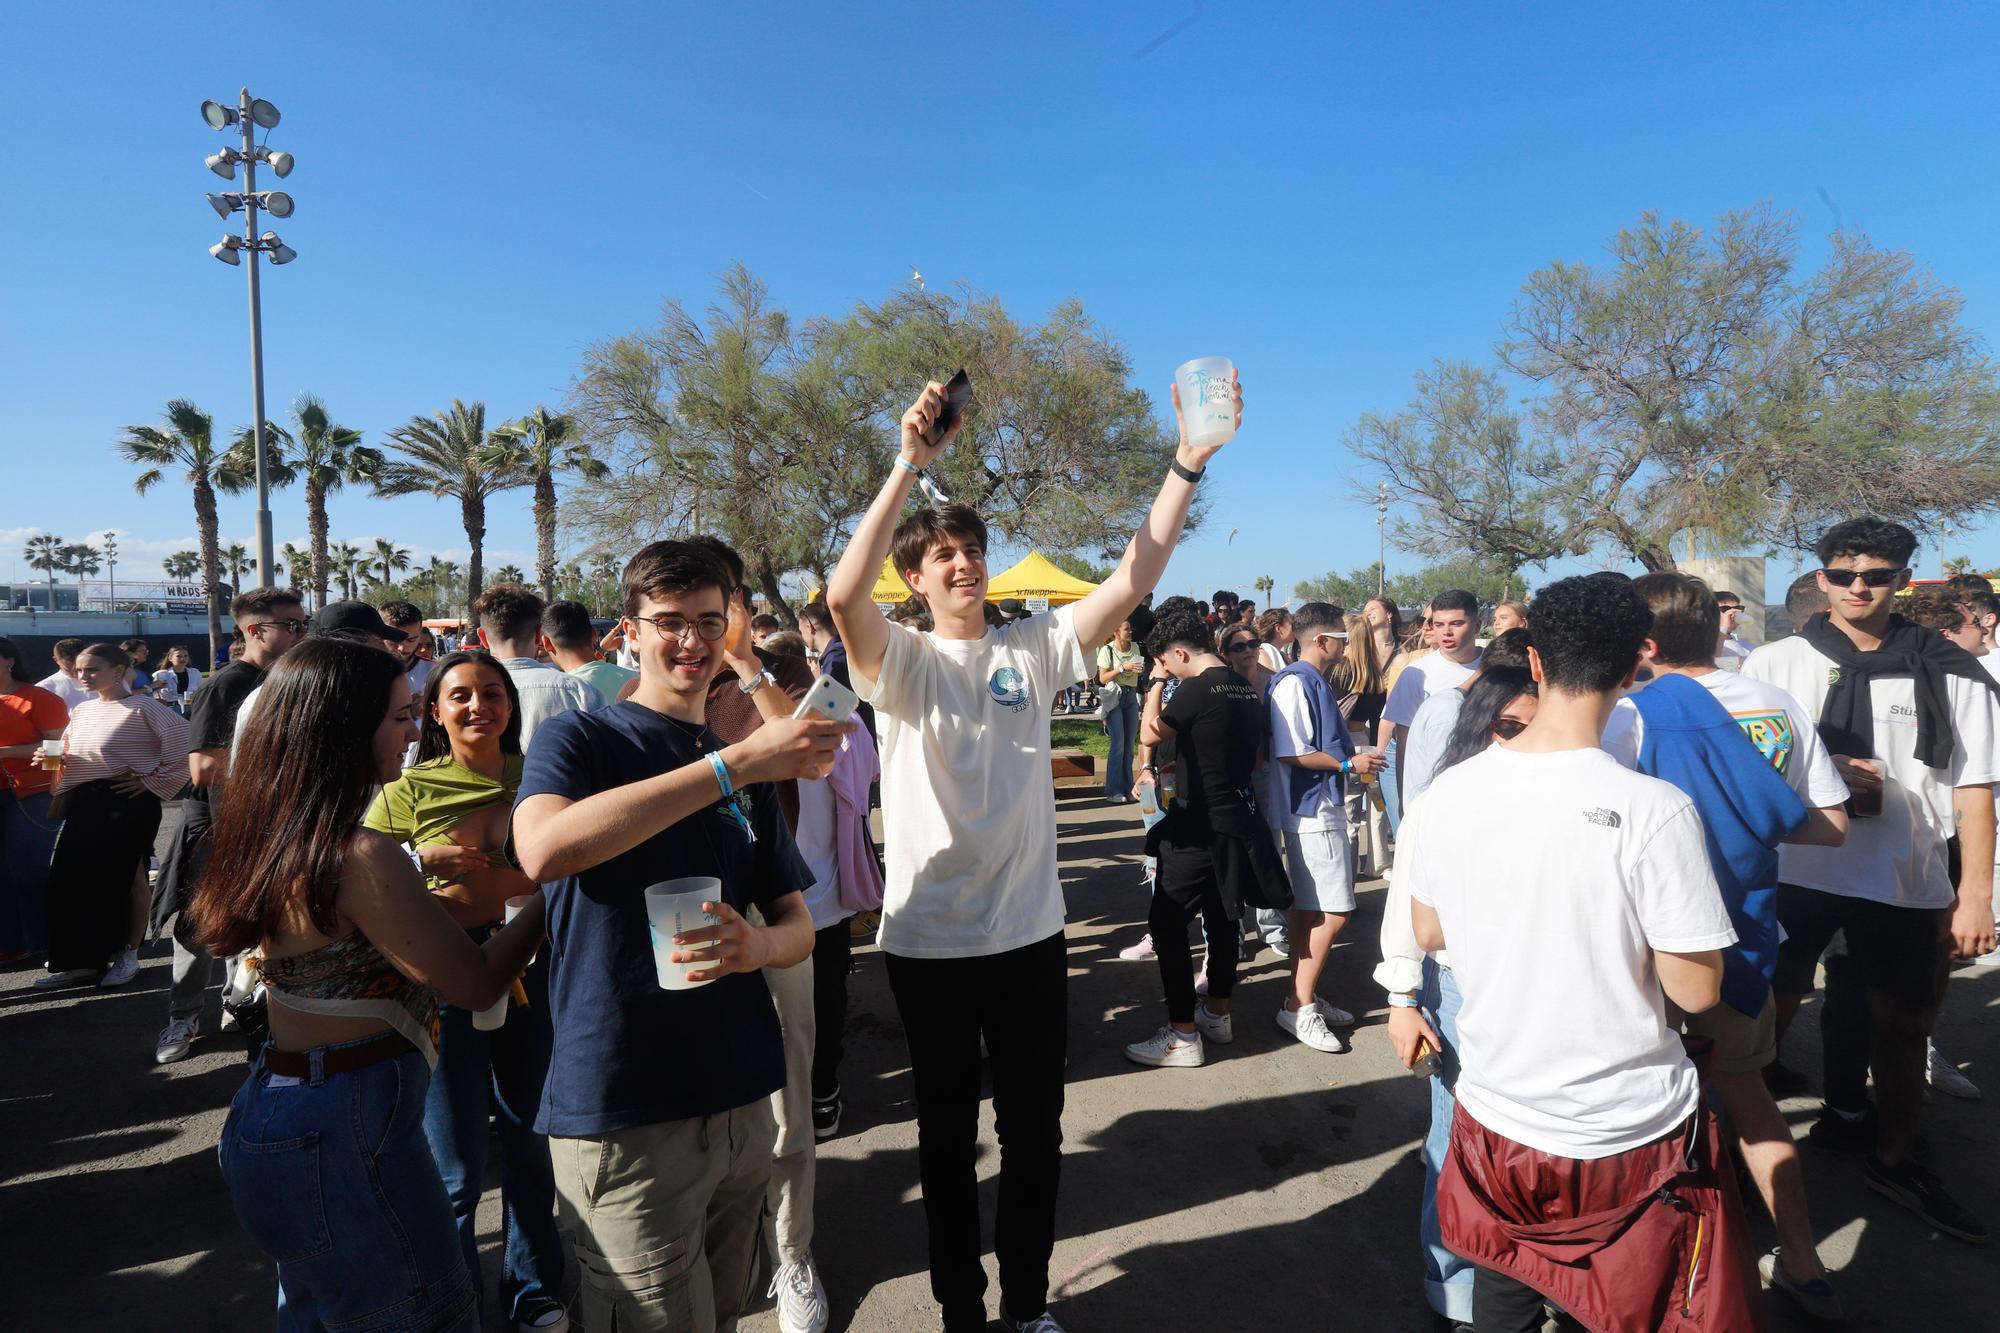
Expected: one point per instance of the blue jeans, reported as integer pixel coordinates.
(331, 1177)
(503, 1069)
(1392, 794)
(1447, 1278)
(27, 841)
(1122, 722)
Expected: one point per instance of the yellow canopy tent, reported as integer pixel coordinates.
(890, 586)
(1036, 576)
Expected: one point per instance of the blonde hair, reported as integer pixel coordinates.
(1357, 671)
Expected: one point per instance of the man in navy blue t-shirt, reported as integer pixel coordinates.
(657, 1102)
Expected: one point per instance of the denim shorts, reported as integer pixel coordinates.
(331, 1176)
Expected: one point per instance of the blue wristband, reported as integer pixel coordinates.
(721, 773)
(908, 466)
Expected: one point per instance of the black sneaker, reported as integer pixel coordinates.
(1922, 1193)
(1835, 1132)
(826, 1116)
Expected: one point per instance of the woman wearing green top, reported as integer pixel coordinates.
(451, 808)
(1118, 664)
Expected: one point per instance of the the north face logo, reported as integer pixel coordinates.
(1603, 817)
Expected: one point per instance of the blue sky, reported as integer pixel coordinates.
(1331, 194)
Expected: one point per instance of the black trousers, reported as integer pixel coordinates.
(1503, 1304)
(106, 838)
(1019, 1000)
(1169, 922)
(833, 958)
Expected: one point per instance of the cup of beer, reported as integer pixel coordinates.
(1208, 400)
(52, 754)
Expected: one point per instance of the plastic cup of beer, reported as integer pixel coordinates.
(1360, 750)
(495, 1014)
(1208, 400)
(52, 753)
(673, 908)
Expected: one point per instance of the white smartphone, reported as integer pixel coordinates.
(829, 699)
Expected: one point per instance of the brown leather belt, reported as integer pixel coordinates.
(339, 1060)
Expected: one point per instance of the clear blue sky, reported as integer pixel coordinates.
(1330, 194)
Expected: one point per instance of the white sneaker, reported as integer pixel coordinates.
(123, 968)
(1142, 952)
(1165, 1049)
(802, 1306)
(1309, 1026)
(175, 1042)
(1946, 1078)
(1335, 1016)
(1213, 1026)
(67, 977)
(551, 1318)
(1987, 959)
(1041, 1323)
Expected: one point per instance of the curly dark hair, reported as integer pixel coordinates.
(1588, 632)
(1178, 628)
(1868, 536)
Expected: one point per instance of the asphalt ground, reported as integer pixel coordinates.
(1275, 1188)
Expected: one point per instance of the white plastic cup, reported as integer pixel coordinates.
(491, 1017)
(1208, 400)
(672, 908)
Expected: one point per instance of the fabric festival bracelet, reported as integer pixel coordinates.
(721, 773)
(1403, 1002)
(929, 487)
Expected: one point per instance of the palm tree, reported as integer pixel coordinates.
(327, 457)
(345, 563)
(299, 562)
(389, 558)
(542, 444)
(236, 562)
(188, 443)
(78, 559)
(45, 552)
(181, 566)
(509, 574)
(1264, 585)
(449, 456)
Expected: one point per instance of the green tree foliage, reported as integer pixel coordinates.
(181, 565)
(78, 560)
(187, 444)
(1697, 388)
(388, 558)
(1077, 566)
(450, 456)
(776, 436)
(44, 551)
(325, 456)
(1490, 582)
(236, 562)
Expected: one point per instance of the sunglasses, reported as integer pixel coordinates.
(1873, 578)
(1241, 646)
(293, 626)
(1507, 728)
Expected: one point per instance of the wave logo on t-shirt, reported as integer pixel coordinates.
(1010, 688)
(1772, 734)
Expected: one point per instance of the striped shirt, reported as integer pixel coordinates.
(130, 737)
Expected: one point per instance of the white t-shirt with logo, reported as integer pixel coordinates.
(1875, 862)
(1291, 734)
(1419, 681)
(1563, 1036)
(968, 806)
(1776, 723)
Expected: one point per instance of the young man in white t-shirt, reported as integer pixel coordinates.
(1453, 632)
(1917, 749)
(972, 913)
(1575, 1095)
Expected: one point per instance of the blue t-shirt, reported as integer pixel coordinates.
(628, 1053)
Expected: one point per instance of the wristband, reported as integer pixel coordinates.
(908, 466)
(1404, 1002)
(924, 483)
(1347, 766)
(1185, 474)
(721, 773)
(756, 683)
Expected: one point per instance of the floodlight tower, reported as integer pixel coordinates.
(251, 114)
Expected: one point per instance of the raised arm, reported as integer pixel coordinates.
(850, 592)
(1097, 617)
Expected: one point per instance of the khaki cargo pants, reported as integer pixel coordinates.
(666, 1220)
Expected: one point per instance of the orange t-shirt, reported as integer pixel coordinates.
(24, 715)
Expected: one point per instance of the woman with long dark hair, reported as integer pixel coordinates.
(1423, 995)
(450, 809)
(323, 1151)
(123, 754)
(29, 715)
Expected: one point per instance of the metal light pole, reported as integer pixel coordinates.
(1381, 538)
(111, 561)
(249, 115)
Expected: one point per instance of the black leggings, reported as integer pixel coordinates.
(833, 955)
(1169, 923)
(1503, 1304)
(106, 839)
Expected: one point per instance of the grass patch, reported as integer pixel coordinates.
(1079, 734)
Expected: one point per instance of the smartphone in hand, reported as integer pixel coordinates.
(957, 397)
(829, 699)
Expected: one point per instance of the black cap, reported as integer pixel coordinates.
(355, 617)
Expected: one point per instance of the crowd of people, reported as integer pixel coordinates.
(432, 876)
